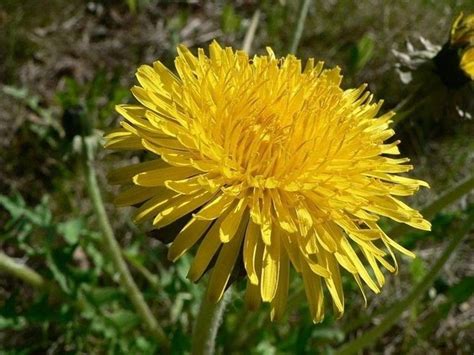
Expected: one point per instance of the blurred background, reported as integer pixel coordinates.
(66, 64)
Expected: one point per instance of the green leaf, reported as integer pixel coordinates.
(331, 334)
(71, 230)
(230, 20)
(103, 295)
(362, 53)
(417, 270)
(463, 290)
(16, 92)
(15, 205)
(124, 320)
(58, 261)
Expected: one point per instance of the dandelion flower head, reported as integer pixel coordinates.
(269, 164)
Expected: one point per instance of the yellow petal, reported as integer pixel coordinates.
(166, 76)
(467, 61)
(252, 296)
(314, 265)
(278, 304)
(148, 78)
(346, 247)
(304, 218)
(345, 262)
(334, 283)
(314, 294)
(270, 269)
(216, 207)
(153, 206)
(186, 186)
(293, 250)
(158, 177)
(171, 156)
(325, 238)
(135, 115)
(182, 206)
(125, 175)
(125, 141)
(225, 264)
(206, 251)
(253, 250)
(136, 194)
(361, 287)
(189, 235)
(373, 264)
(283, 216)
(397, 246)
(231, 222)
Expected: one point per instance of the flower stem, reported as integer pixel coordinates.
(299, 26)
(32, 278)
(371, 336)
(115, 252)
(250, 35)
(207, 324)
(23, 272)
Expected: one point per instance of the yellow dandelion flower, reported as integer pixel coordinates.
(269, 164)
(462, 30)
(467, 62)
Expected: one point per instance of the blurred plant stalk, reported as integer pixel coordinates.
(23, 272)
(299, 26)
(207, 324)
(114, 250)
(250, 34)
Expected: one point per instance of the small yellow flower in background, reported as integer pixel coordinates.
(467, 62)
(462, 38)
(271, 164)
(462, 31)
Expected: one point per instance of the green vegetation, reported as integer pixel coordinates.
(63, 68)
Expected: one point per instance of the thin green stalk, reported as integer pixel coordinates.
(32, 278)
(403, 108)
(147, 274)
(152, 279)
(23, 272)
(207, 324)
(402, 115)
(115, 253)
(299, 26)
(371, 336)
(250, 35)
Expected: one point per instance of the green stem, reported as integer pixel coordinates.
(369, 337)
(404, 106)
(249, 36)
(32, 278)
(147, 274)
(299, 26)
(207, 324)
(23, 272)
(115, 252)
